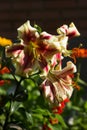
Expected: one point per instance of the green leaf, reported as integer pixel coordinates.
(9, 77)
(15, 106)
(82, 82)
(84, 126)
(76, 108)
(61, 120)
(55, 127)
(38, 116)
(85, 105)
(29, 117)
(42, 111)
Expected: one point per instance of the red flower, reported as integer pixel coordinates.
(3, 71)
(2, 82)
(59, 109)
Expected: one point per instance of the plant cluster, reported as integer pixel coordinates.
(35, 86)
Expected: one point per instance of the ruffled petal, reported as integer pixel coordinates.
(69, 69)
(27, 33)
(62, 89)
(48, 45)
(25, 64)
(58, 84)
(70, 31)
(23, 59)
(46, 87)
(56, 61)
(14, 50)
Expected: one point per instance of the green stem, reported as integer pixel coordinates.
(7, 117)
(8, 112)
(18, 85)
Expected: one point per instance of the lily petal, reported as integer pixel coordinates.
(60, 84)
(14, 50)
(70, 68)
(70, 31)
(27, 33)
(48, 45)
(46, 86)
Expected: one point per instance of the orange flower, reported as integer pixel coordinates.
(4, 70)
(79, 53)
(5, 41)
(54, 121)
(59, 109)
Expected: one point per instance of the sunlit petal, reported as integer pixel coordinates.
(70, 68)
(46, 86)
(70, 31)
(14, 50)
(60, 84)
(56, 61)
(48, 45)
(27, 33)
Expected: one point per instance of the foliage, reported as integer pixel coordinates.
(26, 101)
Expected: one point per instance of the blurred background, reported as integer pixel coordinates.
(49, 14)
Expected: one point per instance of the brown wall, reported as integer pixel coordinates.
(49, 14)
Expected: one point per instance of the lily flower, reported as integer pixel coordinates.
(23, 53)
(34, 47)
(58, 84)
(49, 44)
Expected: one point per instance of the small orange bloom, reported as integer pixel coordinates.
(4, 70)
(59, 109)
(5, 41)
(54, 121)
(79, 52)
